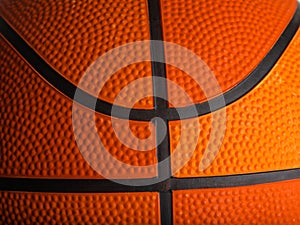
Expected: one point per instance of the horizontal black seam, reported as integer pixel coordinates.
(67, 88)
(107, 186)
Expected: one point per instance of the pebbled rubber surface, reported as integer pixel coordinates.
(51, 208)
(266, 204)
(231, 37)
(262, 128)
(37, 138)
(71, 35)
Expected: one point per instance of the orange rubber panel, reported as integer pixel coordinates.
(37, 138)
(71, 35)
(49, 208)
(231, 37)
(266, 204)
(262, 128)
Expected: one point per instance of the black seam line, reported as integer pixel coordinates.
(172, 184)
(64, 85)
(67, 88)
(166, 207)
(159, 85)
(250, 82)
(161, 104)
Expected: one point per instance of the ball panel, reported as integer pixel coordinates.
(71, 35)
(262, 128)
(50, 208)
(120, 81)
(37, 138)
(266, 204)
(232, 37)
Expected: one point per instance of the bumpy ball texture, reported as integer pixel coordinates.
(231, 37)
(41, 208)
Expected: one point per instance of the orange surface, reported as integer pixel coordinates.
(231, 37)
(37, 138)
(50, 208)
(262, 128)
(267, 204)
(71, 35)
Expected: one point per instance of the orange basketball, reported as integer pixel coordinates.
(150, 112)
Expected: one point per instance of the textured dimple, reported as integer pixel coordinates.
(37, 138)
(231, 37)
(262, 128)
(50, 208)
(71, 35)
(267, 204)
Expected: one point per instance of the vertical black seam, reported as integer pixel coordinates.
(166, 209)
(160, 96)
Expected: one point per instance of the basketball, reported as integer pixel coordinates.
(159, 112)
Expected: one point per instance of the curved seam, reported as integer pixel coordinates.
(68, 88)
